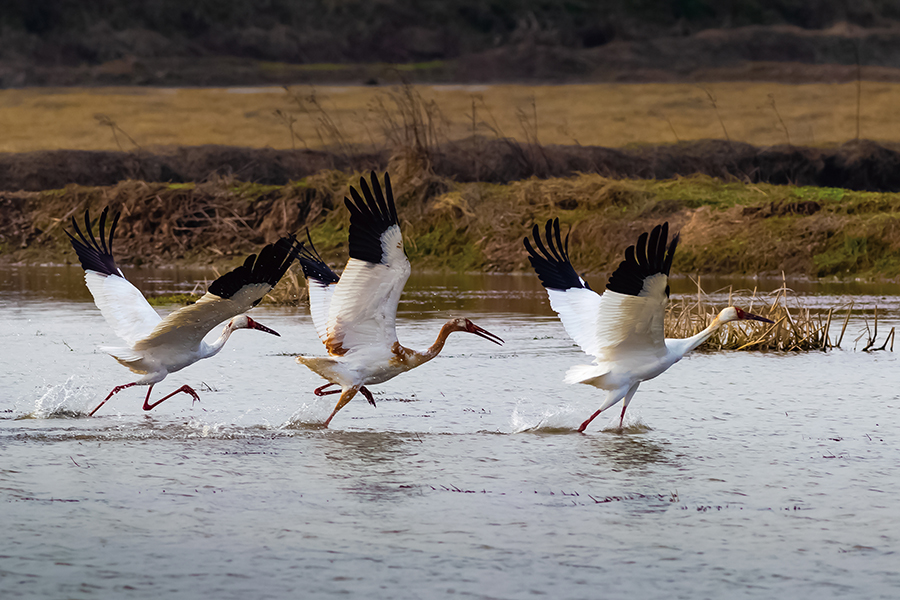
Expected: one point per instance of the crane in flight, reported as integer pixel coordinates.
(158, 346)
(622, 328)
(355, 314)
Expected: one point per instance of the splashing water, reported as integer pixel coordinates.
(61, 401)
(567, 418)
(307, 416)
(556, 419)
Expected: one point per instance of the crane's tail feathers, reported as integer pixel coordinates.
(122, 354)
(587, 374)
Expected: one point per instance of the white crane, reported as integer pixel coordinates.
(355, 314)
(623, 328)
(157, 346)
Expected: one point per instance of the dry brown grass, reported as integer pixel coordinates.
(796, 328)
(611, 115)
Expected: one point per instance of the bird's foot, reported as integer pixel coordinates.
(185, 388)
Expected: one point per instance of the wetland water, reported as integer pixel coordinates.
(739, 474)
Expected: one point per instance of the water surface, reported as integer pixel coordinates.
(738, 475)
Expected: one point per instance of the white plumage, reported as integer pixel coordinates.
(355, 314)
(623, 329)
(158, 346)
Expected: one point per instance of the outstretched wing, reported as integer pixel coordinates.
(632, 310)
(121, 304)
(629, 316)
(570, 296)
(231, 294)
(321, 281)
(363, 307)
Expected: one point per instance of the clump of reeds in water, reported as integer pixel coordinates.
(796, 328)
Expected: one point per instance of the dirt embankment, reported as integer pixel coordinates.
(727, 227)
(861, 165)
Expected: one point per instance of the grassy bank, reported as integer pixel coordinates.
(726, 227)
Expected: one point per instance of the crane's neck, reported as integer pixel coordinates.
(414, 358)
(683, 346)
(219, 343)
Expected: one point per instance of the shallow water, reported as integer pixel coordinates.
(738, 474)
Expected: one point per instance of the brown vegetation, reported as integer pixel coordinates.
(795, 327)
(354, 119)
(726, 227)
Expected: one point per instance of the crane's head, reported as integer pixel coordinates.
(733, 313)
(245, 322)
(470, 327)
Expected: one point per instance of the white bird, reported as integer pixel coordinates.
(623, 328)
(355, 314)
(157, 346)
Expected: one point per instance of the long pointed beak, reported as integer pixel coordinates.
(254, 325)
(753, 317)
(473, 328)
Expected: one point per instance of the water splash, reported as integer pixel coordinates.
(61, 401)
(308, 416)
(567, 419)
(557, 419)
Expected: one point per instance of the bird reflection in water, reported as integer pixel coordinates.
(374, 463)
(626, 452)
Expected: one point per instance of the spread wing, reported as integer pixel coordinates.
(633, 308)
(629, 316)
(231, 294)
(363, 309)
(121, 304)
(570, 296)
(321, 281)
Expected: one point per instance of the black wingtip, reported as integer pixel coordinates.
(372, 213)
(313, 266)
(95, 256)
(552, 266)
(267, 268)
(648, 257)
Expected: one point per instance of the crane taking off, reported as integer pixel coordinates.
(157, 346)
(623, 327)
(355, 314)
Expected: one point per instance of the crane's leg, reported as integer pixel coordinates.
(185, 388)
(625, 402)
(320, 391)
(611, 398)
(346, 396)
(365, 392)
(115, 390)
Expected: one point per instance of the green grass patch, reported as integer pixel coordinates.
(166, 299)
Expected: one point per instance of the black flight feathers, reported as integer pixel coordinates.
(314, 267)
(371, 215)
(553, 268)
(272, 263)
(648, 257)
(94, 256)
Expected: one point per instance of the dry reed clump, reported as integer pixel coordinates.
(796, 328)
